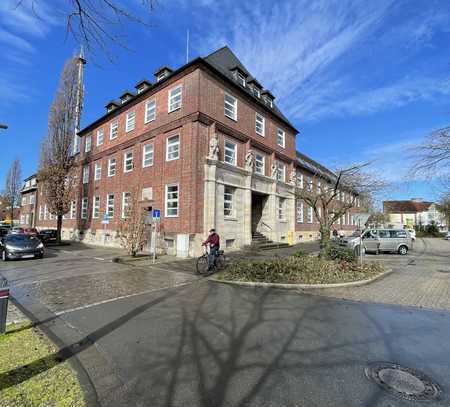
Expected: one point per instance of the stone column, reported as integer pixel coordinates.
(247, 206)
(209, 199)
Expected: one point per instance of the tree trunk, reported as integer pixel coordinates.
(325, 231)
(58, 229)
(12, 216)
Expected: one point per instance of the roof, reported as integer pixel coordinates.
(405, 206)
(30, 177)
(225, 61)
(221, 61)
(143, 82)
(314, 167)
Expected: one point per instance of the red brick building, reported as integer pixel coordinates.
(29, 202)
(205, 144)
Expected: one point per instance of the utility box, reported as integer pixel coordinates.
(4, 297)
(182, 245)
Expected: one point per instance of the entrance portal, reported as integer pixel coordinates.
(258, 202)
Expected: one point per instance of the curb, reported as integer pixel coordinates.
(304, 286)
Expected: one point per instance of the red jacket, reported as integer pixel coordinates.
(213, 240)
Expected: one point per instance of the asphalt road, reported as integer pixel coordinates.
(173, 340)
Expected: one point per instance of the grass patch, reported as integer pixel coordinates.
(303, 269)
(30, 374)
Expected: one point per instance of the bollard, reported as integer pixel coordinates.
(4, 296)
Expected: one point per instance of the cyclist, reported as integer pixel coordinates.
(213, 241)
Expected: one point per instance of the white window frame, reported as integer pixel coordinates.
(260, 119)
(172, 101)
(109, 212)
(173, 147)
(88, 143)
(150, 111)
(46, 212)
(300, 214)
(126, 197)
(256, 91)
(112, 169)
(281, 171)
(86, 174)
(96, 207)
(130, 122)
(97, 171)
(230, 107)
(228, 201)
(114, 129)
(281, 208)
(100, 137)
(128, 160)
(84, 208)
(262, 163)
(233, 149)
(309, 215)
(241, 79)
(167, 200)
(148, 155)
(281, 138)
(41, 212)
(300, 180)
(73, 209)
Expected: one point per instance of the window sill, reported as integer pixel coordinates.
(282, 220)
(149, 121)
(147, 166)
(230, 218)
(171, 216)
(172, 159)
(232, 118)
(173, 110)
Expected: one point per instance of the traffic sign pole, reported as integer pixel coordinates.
(156, 215)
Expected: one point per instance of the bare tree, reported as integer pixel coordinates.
(332, 195)
(96, 23)
(132, 228)
(432, 156)
(11, 194)
(57, 169)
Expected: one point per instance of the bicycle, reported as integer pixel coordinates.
(202, 262)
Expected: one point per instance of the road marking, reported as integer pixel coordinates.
(99, 258)
(83, 307)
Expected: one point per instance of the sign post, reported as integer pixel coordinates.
(156, 215)
(105, 221)
(361, 219)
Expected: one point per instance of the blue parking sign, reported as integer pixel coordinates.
(156, 214)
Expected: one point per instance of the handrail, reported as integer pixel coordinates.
(266, 225)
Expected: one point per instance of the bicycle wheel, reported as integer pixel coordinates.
(220, 262)
(202, 265)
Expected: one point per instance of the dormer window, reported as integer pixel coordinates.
(241, 79)
(142, 85)
(161, 76)
(126, 96)
(162, 73)
(256, 92)
(111, 106)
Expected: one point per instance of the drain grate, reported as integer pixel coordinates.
(403, 382)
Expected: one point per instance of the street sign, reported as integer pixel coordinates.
(156, 214)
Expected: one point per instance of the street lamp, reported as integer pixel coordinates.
(3, 126)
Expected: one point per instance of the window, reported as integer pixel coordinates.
(98, 171)
(150, 111)
(281, 138)
(281, 208)
(281, 171)
(259, 164)
(128, 162)
(130, 122)
(111, 167)
(299, 212)
(100, 137)
(175, 98)
(256, 92)
(88, 144)
(161, 76)
(85, 174)
(259, 124)
(228, 207)
(41, 212)
(319, 187)
(319, 213)
(300, 180)
(24, 200)
(110, 205)
(126, 196)
(113, 130)
(172, 201)
(84, 208)
(309, 215)
(241, 79)
(309, 185)
(96, 207)
(45, 212)
(230, 152)
(230, 107)
(173, 148)
(31, 199)
(147, 155)
(147, 193)
(73, 209)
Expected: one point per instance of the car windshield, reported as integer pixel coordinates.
(19, 238)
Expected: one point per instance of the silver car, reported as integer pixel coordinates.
(380, 240)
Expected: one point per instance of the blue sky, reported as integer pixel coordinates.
(360, 80)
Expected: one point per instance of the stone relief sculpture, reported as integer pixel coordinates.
(249, 160)
(293, 177)
(274, 171)
(214, 147)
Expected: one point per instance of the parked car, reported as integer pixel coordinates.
(21, 246)
(31, 231)
(47, 235)
(447, 236)
(3, 231)
(380, 240)
(412, 233)
(16, 230)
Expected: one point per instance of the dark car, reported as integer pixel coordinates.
(31, 231)
(3, 231)
(21, 246)
(47, 235)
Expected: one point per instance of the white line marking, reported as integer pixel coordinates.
(99, 258)
(119, 298)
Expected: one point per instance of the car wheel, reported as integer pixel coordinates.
(5, 256)
(402, 250)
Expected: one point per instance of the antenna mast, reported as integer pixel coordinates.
(187, 46)
(79, 103)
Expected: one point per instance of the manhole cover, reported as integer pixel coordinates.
(403, 382)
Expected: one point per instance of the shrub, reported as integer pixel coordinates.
(300, 253)
(333, 252)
